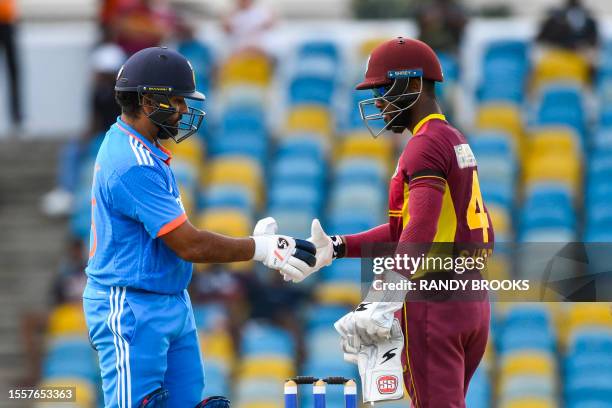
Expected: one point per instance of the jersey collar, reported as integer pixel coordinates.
(427, 119)
(158, 150)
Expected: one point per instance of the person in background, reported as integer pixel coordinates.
(246, 25)
(139, 24)
(105, 62)
(441, 24)
(571, 26)
(8, 22)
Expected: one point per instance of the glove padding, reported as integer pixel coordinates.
(349, 341)
(380, 367)
(293, 257)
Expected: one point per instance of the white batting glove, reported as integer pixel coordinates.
(374, 316)
(349, 341)
(293, 257)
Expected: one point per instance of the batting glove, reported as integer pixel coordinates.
(293, 257)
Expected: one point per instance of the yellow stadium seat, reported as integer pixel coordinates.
(504, 117)
(589, 314)
(562, 169)
(310, 118)
(274, 367)
(190, 150)
(250, 68)
(367, 46)
(338, 293)
(228, 222)
(237, 171)
(218, 345)
(67, 319)
(502, 224)
(560, 65)
(266, 404)
(532, 402)
(380, 148)
(554, 140)
(85, 392)
(533, 363)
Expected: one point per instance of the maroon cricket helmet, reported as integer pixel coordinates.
(400, 54)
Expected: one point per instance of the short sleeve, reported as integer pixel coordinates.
(424, 160)
(143, 194)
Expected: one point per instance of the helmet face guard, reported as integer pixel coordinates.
(397, 97)
(189, 122)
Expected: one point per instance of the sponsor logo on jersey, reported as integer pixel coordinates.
(387, 384)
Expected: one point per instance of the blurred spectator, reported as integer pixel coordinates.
(67, 287)
(105, 62)
(441, 24)
(571, 26)
(8, 21)
(138, 24)
(247, 24)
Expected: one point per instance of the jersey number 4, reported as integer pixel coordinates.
(476, 215)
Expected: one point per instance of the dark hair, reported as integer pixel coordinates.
(129, 103)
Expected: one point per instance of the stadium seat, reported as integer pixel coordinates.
(323, 316)
(209, 316)
(504, 70)
(228, 222)
(67, 319)
(265, 339)
(338, 293)
(530, 403)
(238, 171)
(527, 362)
(277, 368)
(502, 222)
(502, 117)
(561, 104)
(310, 118)
(246, 68)
(360, 170)
(319, 48)
(228, 196)
(302, 145)
(582, 315)
(257, 390)
(291, 221)
(316, 90)
(217, 345)
(295, 196)
(363, 145)
(559, 65)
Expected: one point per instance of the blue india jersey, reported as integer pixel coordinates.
(134, 201)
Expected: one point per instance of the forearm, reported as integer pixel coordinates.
(200, 246)
(354, 242)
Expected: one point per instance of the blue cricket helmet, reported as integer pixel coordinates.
(160, 74)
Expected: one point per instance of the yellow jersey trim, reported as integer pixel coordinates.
(427, 119)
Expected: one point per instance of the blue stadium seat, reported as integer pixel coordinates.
(302, 146)
(500, 194)
(265, 339)
(302, 170)
(350, 222)
(602, 139)
(548, 206)
(228, 196)
(242, 118)
(202, 60)
(81, 364)
(253, 144)
(319, 48)
(295, 196)
(495, 157)
(563, 105)
(323, 316)
(360, 170)
(504, 70)
(311, 90)
(209, 315)
(357, 197)
(348, 269)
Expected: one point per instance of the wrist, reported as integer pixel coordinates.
(339, 246)
(261, 248)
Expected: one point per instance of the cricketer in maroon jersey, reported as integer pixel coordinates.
(434, 196)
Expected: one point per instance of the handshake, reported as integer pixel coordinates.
(295, 259)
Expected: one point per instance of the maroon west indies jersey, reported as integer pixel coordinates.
(439, 153)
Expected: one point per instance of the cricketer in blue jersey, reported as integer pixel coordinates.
(142, 245)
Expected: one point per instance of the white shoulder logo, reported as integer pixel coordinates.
(465, 156)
